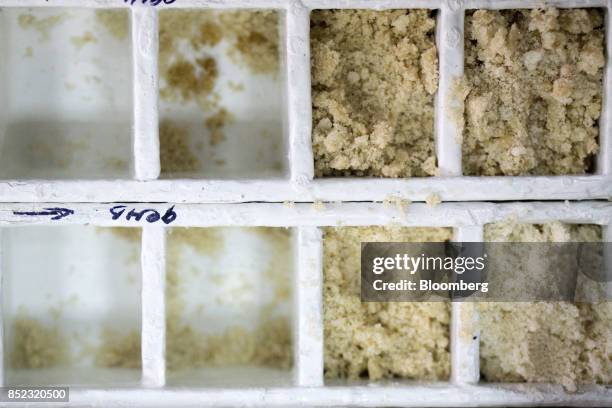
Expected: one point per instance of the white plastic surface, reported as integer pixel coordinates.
(67, 97)
(146, 83)
(252, 386)
(153, 296)
(234, 287)
(295, 181)
(207, 204)
(82, 280)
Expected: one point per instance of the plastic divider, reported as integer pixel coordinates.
(465, 336)
(297, 51)
(308, 310)
(153, 259)
(450, 51)
(146, 129)
(604, 159)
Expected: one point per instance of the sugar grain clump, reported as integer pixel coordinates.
(374, 76)
(379, 340)
(533, 91)
(560, 342)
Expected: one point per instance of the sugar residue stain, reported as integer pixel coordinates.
(116, 22)
(118, 350)
(36, 345)
(187, 81)
(215, 125)
(176, 154)
(80, 41)
(269, 344)
(192, 76)
(42, 25)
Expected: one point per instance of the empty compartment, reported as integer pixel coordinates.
(71, 303)
(553, 342)
(221, 94)
(374, 78)
(533, 90)
(379, 341)
(66, 97)
(228, 296)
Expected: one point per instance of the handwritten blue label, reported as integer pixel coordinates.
(150, 215)
(150, 2)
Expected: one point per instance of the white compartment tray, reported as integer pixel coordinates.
(307, 387)
(299, 184)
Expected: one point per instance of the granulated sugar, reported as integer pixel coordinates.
(374, 76)
(533, 91)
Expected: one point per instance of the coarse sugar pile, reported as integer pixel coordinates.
(374, 76)
(532, 91)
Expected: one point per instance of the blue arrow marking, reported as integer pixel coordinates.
(57, 213)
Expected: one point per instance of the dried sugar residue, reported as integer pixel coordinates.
(80, 41)
(116, 22)
(41, 151)
(132, 235)
(559, 342)
(268, 345)
(36, 345)
(513, 231)
(57, 310)
(433, 200)
(118, 350)
(379, 340)
(205, 241)
(280, 241)
(253, 38)
(215, 125)
(176, 155)
(318, 205)
(115, 164)
(42, 25)
(400, 204)
(236, 87)
(374, 77)
(533, 91)
(253, 35)
(187, 81)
